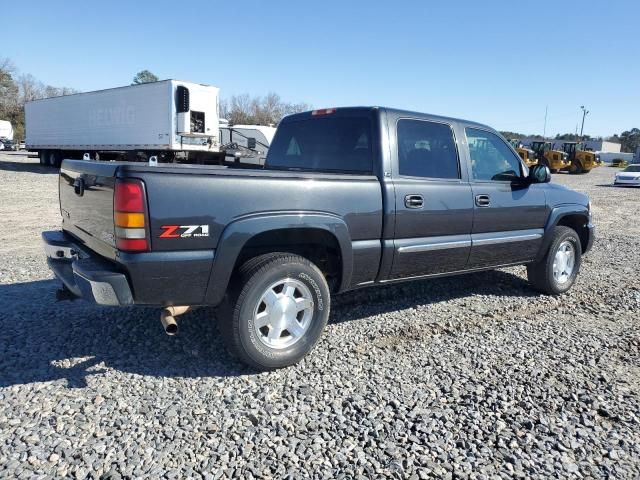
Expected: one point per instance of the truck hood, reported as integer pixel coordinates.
(559, 195)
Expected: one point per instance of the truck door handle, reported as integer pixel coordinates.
(483, 200)
(413, 201)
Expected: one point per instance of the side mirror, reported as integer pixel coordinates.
(251, 143)
(539, 174)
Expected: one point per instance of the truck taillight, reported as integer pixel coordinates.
(129, 216)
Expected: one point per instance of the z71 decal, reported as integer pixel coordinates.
(184, 231)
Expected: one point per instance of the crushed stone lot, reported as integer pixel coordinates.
(476, 376)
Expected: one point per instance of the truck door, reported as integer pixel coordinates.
(433, 202)
(509, 214)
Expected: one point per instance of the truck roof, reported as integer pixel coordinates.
(394, 111)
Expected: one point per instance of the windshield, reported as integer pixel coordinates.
(324, 144)
(540, 146)
(632, 168)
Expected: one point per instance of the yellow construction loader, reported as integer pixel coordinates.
(546, 155)
(582, 160)
(527, 155)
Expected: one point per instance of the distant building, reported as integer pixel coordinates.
(603, 146)
(595, 145)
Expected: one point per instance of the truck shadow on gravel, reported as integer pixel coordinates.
(373, 301)
(29, 167)
(43, 340)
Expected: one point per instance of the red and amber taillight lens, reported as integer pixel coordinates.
(129, 216)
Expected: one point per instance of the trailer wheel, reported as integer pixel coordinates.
(54, 159)
(42, 156)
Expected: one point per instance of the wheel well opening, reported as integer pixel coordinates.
(579, 224)
(318, 246)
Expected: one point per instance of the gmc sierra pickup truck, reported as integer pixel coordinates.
(347, 198)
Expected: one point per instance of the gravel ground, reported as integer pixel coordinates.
(469, 377)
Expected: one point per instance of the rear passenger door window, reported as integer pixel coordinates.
(427, 149)
(491, 158)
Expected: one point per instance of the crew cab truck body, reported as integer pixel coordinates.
(348, 198)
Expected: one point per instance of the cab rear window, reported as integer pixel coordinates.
(328, 144)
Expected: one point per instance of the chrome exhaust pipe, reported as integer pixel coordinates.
(168, 320)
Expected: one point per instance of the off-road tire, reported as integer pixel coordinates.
(236, 314)
(540, 273)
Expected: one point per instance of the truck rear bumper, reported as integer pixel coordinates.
(148, 278)
(85, 274)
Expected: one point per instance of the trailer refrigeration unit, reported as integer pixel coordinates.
(173, 120)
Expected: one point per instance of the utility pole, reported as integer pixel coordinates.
(544, 131)
(585, 112)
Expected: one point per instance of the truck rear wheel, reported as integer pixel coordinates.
(276, 311)
(557, 271)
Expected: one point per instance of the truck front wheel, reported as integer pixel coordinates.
(557, 271)
(276, 311)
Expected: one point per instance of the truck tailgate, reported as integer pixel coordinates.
(86, 203)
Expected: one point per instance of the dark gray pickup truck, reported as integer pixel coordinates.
(347, 198)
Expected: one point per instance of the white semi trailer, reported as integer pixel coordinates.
(170, 119)
(6, 129)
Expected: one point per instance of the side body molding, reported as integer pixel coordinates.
(556, 214)
(236, 234)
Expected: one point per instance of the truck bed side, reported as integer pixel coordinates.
(212, 213)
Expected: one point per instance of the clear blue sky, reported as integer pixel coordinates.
(499, 63)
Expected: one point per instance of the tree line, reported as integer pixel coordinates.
(629, 140)
(16, 89)
(266, 110)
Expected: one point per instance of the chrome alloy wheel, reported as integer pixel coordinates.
(564, 262)
(283, 313)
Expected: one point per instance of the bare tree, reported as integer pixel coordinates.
(16, 90)
(68, 91)
(30, 88)
(267, 110)
(50, 91)
(8, 87)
